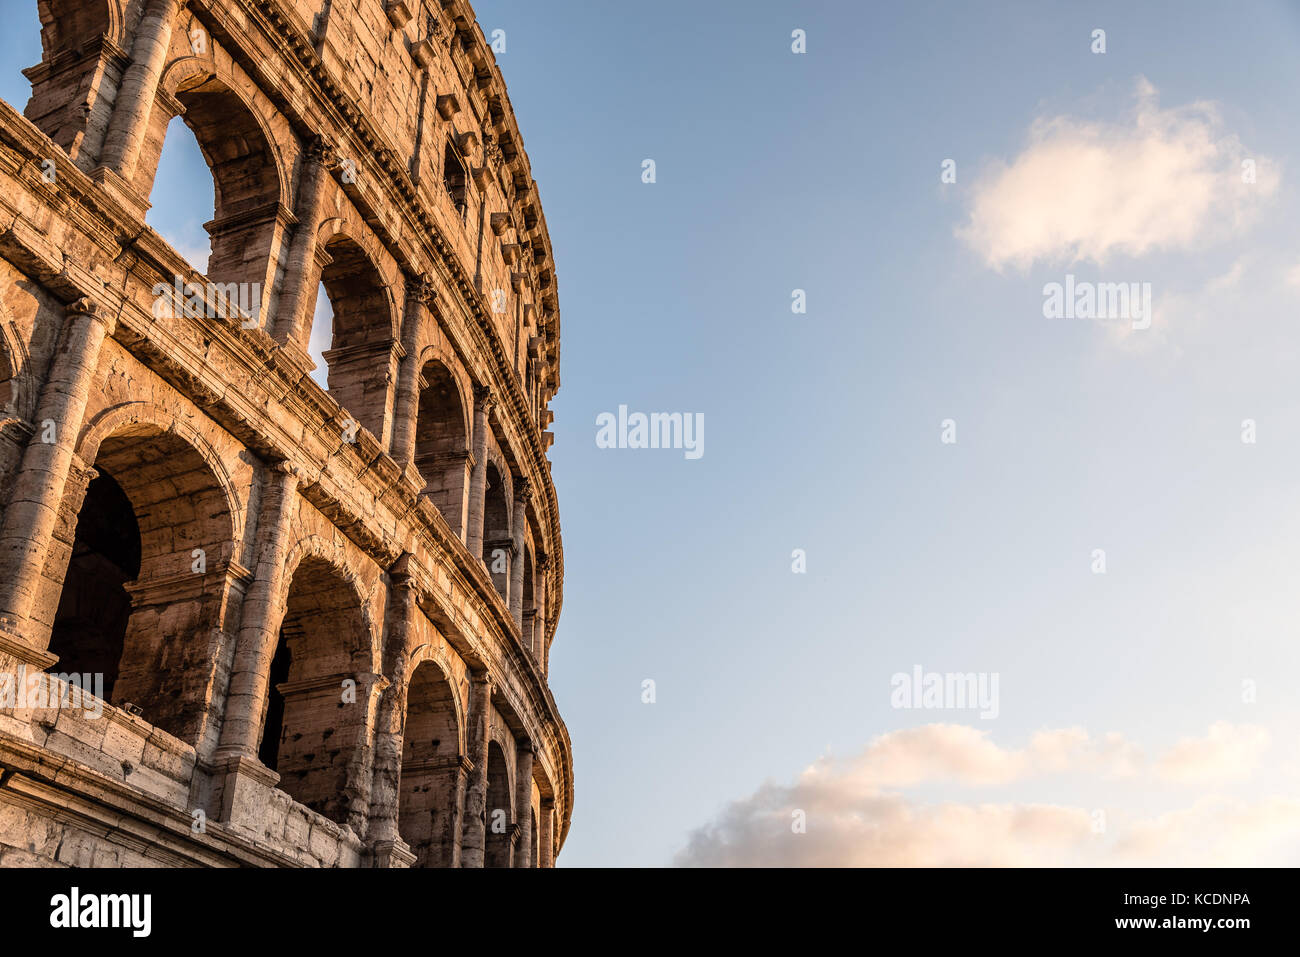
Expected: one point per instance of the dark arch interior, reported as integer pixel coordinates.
(441, 448)
(453, 178)
(499, 812)
(356, 294)
(71, 25)
(153, 506)
(313, 725)
(243, 172)
(427, 808)
(360, 358)
(94, 607)
(496, 530)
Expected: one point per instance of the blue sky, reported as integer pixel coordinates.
(821, 171)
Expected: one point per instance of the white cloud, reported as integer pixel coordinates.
(1214, 831)
(1086, 190)
(1227, 751)
(856, 816)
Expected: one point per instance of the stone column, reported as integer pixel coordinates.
(524, 803)
(541, 606)
(297, 299)
(474, 821)
(529, 627)
(259, 626)
(135, 96)
(404, 604)
(463, 769)
(38, 485)
(517, 524)
(546, 834)
(420, 295)
(483, 402)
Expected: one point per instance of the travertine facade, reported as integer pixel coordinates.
(322, 617)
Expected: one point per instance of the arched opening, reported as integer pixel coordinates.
(72, 26)
(247, 224)
(361, 359)
(67, 87)
(530, 606)
(138, 601)
(496, 530)
(428, 805)
(94, 607)
(182, 197)
(441, 446)
(454, 179)
(322, 334)
(315, 716)
(500, 814)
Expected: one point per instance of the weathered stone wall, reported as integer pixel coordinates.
(307, 606)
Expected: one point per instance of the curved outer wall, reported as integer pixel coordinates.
(321, 617)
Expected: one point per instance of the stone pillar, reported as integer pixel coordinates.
(404, 604)
(517, 524)
(524, 803)
(542, 607)
(419, 296)
(135, 96)
(483, 402)
(529, 627)
(259, 626)
(474, 820)
(546, 834)
(297, 300)
(463, 769)
(38, 485)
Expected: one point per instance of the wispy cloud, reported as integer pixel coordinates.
(1086, 190)
(855, 814)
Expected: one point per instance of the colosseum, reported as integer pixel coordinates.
(247, 620)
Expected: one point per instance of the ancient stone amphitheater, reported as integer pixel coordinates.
(320, 617)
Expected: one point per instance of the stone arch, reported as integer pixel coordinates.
(207, 95)
(428, 652)
(362, 357)
(432, 784)
(499, 808)
(436, 354)
(314, 727)
(17, 395)
(530, 598)
(73, 87)
(250, 185)
(333, 552)
(340, 233)
(148, 414)
(145, 593)
(72, 26)
(455, 178)
(442, 433)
